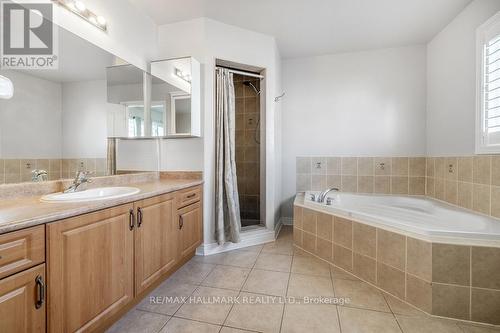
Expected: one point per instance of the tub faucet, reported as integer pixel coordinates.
(39, 175)
(81, 178)
(322, 195)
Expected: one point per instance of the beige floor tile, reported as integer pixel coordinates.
(267, 282)
(309, 286)
(284, 247)
(233, 330)
(179, 325)
(311, 266)
(239, 258)
(159, 300)
(365, 321)
(424, 325)
(139, 321)
(259, 316)
(399, 307)
(215, 259)
(361, 295)
(254, 248)
(472, 328)
(299, 252)
(299, 318)
(226, 277)
(338, 273)
(192, 272)
(206, 304)
(274, 262)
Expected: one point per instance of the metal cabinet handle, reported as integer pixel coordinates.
(131, 219)
(40, 298)
(139, 217)
(181, 221)
(191, 196)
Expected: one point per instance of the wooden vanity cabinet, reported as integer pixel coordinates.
(190, 229)
(90, 268)
(100, 264)
(22, 304)
(155, 239)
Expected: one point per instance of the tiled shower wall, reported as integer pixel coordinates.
(19, 170)
(248, 147)
(384, 175)
(471, 182)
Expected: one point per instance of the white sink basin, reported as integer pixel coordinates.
(94, 194)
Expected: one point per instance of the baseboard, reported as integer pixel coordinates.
(248, 238)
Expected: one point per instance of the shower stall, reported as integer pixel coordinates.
(248, 150)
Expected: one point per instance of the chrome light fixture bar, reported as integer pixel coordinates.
(185, 76)
(78, 7)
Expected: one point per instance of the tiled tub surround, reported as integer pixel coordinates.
(383, 175)
(19, 170)
(454, 281)
(471, 182)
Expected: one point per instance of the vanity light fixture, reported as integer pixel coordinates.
(79, 8)
(185, 76)
(6, 88)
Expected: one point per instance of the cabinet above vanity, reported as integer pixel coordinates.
(164, 103)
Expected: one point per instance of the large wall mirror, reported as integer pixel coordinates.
(59, 120)
(162, 104)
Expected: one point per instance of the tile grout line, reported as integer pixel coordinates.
(286, 293)
(336, 296)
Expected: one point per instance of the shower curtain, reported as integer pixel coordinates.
(227, 207)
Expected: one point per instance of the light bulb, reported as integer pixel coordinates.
(6, 88)
(101, 20)
(80, 6)
(93, 20)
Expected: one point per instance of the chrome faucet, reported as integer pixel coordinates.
(39, 176)
(82, 177)
(322, 195)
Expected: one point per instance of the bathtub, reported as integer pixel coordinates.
(436, 257)
(418, 216)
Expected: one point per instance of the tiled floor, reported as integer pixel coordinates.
(266, 274)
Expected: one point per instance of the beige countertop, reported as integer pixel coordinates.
(28, 211)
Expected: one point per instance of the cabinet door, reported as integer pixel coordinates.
(191, 228)
(90, 269)
(22, 306)
(155, 240)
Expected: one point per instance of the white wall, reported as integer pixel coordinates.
(451, 82)
(84, 119)
(366, 103)
(30, 122)
(131, 34)
(208, 40)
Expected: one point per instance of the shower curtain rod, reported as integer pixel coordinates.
(234, 71)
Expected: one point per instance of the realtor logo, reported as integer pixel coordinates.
(28, 36)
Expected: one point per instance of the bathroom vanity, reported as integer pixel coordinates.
(83, 271)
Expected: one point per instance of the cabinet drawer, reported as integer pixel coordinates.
(21, 249)
(189, 196)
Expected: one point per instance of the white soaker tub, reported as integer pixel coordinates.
(431, 219)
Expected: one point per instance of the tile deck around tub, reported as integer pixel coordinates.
(298, 274)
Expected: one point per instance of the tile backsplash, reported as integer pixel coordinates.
(471, 182)
(383, 175)
(19, 170)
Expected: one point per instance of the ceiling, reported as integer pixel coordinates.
(315, 27)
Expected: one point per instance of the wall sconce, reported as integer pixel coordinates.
(6, 88)
(185, 76)
(78, 7)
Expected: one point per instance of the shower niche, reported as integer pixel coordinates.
(248, 147)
